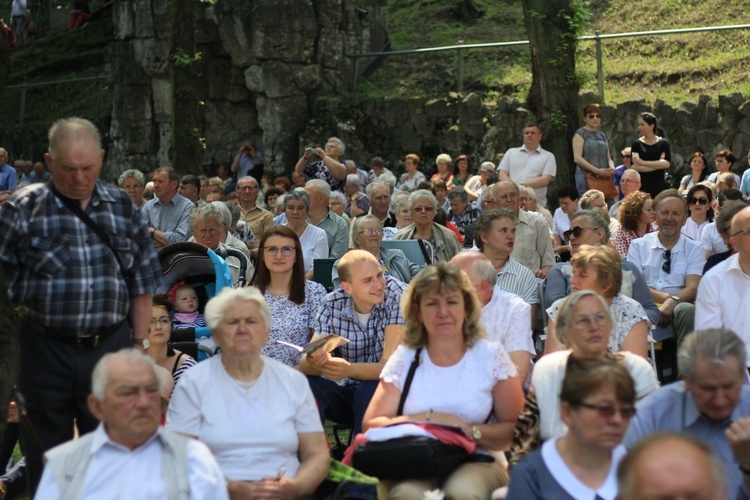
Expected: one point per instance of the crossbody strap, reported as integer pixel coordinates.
(407, 383)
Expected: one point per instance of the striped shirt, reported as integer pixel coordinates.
(517, 279)
(533, 247)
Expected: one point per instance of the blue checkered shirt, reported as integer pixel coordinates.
(61, 270)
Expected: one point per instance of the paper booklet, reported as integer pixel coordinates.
(327, 343)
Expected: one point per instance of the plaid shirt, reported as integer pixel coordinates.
(465, 223)
(365, 345)
(62, 271)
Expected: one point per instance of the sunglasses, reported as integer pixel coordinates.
(593, 115)
(423, 209)
(609, 411)
(702, 200)
(627, 156)
(575, 231)
(667, 266)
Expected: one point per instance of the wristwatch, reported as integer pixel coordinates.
(675, 298)
(476, 433)
(143, 342)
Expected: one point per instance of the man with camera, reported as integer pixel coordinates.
(248, 162)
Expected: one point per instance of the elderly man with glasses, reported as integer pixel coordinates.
(258, 219)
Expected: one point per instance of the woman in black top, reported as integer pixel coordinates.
(651, 155)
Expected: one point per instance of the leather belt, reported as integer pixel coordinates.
(72, 336)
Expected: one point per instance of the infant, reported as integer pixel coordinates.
(185, 300)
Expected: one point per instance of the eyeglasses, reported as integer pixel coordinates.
(702, 200)
(161, 321)
(427, 208)
(593, 115)
(285, 251)
(627, 156)
(213, 231)
(488, 202)
(586, 321)
(247, 188)
(604, 411)
(575, 231)
(667, 266)
(745, 231)
(371, 230)
(628, 181)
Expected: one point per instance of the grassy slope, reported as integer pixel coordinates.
(674, 68)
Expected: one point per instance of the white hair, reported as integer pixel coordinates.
(388, 178)
(216, 307)
(354, 180)
(132, 174)
(225, 212)
(339, 144)
(100, 377)
(319, 185)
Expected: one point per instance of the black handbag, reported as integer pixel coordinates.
(410, 457)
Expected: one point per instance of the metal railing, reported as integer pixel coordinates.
(597, 38)
(25, 86)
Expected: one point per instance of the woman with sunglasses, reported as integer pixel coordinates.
(636, 216)
(597, 402)
(651, 155)
(699, 199)
(293, 300)
(423, 206)
(583, 324)
(699, 169)
(590, 149)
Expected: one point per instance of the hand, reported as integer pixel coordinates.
(451, 419)
(738, 435)
(608, 172)
(267, 488)
(541, 274)
(666, 310)
(321, 152)
(317, 360)
(336, 368)
(12, 413)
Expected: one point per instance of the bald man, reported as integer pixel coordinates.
(8, 174)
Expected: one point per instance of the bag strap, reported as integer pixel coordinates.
(423, 247)
(407, 383)
(75, 207)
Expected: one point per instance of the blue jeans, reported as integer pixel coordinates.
(342, 404)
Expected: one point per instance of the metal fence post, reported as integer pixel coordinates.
(460, 68)
(599, 70)
(22, 113)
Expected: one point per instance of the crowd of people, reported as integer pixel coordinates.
(524, 336)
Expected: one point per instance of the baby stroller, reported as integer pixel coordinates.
(208, 273)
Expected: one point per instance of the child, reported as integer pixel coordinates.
(186, 315)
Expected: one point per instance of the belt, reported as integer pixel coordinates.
(72, 336)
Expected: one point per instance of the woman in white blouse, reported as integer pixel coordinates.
(462, 380)
(699, 199)
(314, 240)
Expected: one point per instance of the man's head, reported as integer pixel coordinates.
(740, 239)
(532, 136)
(362, 278)
(630, 182)
(671, 213)
(459, 200)
(27, 167)
(190, 187)
(671, 466)
(132, 182)
(166, 182)
(379, 196)
(481, 272)
(75, 157)
(298, 180)
(352, 184)
(495, 232)
(377, 164)
(125, 396)
(3, 157)
(39, 169)
(319, 192)
(712, 363)
(247, 190)
(206, 224)
(505, 194)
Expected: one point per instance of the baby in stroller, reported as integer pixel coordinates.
(185, 303)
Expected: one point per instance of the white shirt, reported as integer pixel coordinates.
(522, 165)
(560, 223)
(711, 239)
(314, 243)
(116, 472)
(693, 230)
(723, 299)
(507, 320)
(647, 253)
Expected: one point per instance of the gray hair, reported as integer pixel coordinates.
(444, 157)
(353, 179)
(216, 307)
(297, 195)
(459, 193)
(373, 185)
(206, 212)
(247, 178)
(422, 194)
(481, 267)
(339, 144)
(132, 174)
(234, 209)
(400, 203)
(598, 221)
(100, 376)
(339, 196)
(321, 186)
(634, 173)
(225, 213)
(357, 223)
(388, 178)
(565, 311)
(279, 205)
(713, 346)
(589, 196)
(529, 191)
(71, 128)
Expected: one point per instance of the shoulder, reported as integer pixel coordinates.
(199, 374)
(405, 233)
(280, 371)
(314, 288)
(550, 365)
(394, 287)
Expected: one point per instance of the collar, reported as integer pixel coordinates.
(538, 150)
(678, 247)
(523, 216)
(99, 194)
(172, 200)
(733, 264)
(101, 439)
(382, 221)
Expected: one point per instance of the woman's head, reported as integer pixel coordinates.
(698, 163)
(527, 199)
(403, 213)
(724, 160)
(647, 123)
(160, 326)
(279, 252)
(240, 321)
(337, 204)
(367, 234)
(597, 268)
(423, 300)
(462, 165)
(635, 208)
(205, 224)
(443, 162)
(583, 323)
(422, 205)
(296, 207)
(699, 199)
(270, 197)
(588, 227)
(592, 115)
(412, 162)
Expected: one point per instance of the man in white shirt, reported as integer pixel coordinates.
(505, 316)
(724, 291)
(530, 165)
(671, 264)
(129, 455)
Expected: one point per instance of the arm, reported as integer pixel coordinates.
(236, 162)
(181, 231)
(642, 295)
(707, 306)
(522, 360)
(578, 155)
(140, 312)
(384, 406)
(337, 169)
(552, 344)
(339, 368)
(301, 163)
(636, 340)
(538, 182)
(314, 462)
(502, 175)
(508, 402)
(557, 285)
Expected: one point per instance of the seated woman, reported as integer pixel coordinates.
(462, 171)
(423, 206)
(412, 177)
(636, 216)
(443, 163)
(724, 160)
(699, 199)
(159, 332)
(699, 172)
(598, 268)
(293, 300)
(314, 240)
(257, 415)
(597, 401)
(462, 380)
(527, 201)
(583, 325)
(368, 235)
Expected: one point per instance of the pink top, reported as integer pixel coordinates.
(624, 237)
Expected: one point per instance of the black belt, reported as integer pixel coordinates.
(75, 337)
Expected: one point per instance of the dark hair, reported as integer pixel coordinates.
(430, 185)
(192, 180)
(262, 277)
(709, 195)
(162, 300)
(469, 168)
(171, 173)
(584, 376)
(271, 192)
(704, 172)
(567, 191)
(441, 217)
(729, 195)
(649, 118)
(377, 162)
(727, 155)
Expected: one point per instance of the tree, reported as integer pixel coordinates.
(187, 150)
(4, 63)
(553, 27)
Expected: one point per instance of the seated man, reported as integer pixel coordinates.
(365, 311)
(711, 403)
(129, 453)
(320, 215)
(629, 183)
(505, 316)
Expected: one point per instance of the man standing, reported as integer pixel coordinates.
(505, 316)
(711, 403)
(530, 165)
(168, 213)
(463, 214)
(630, 182)
(129, 453)
(324, 164)
(724, 292)
(190, 188)
(533, 245)
(8, 174)
(248, 162)
(82, 292)
(365, 311)
(671, 263)
(258, 219)
(320, 215)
